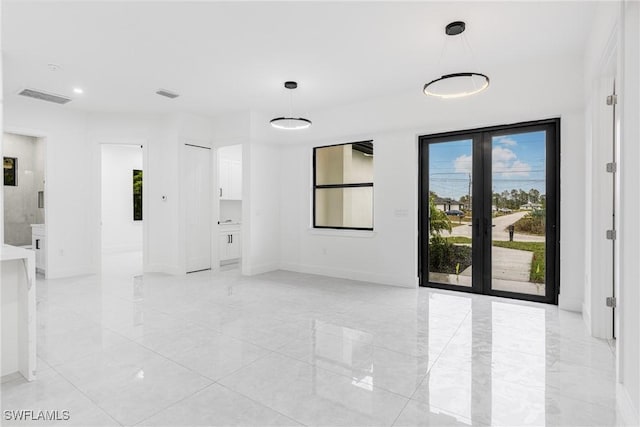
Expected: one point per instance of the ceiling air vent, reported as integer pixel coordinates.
(167, 93)
(45, 96)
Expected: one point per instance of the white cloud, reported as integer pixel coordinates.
(506, 163)
(518, 168)
(463, 164)
(505, 140)
(503, 155)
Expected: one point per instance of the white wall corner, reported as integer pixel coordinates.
(586, 317)
(252, 270)
(570, 304)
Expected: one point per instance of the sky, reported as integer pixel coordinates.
(518, 162)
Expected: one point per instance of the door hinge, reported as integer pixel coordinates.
(611, 234)
(612, 167)
(611, 302)
(612, 99)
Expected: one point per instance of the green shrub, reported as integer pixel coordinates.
(445, 257)
(532, 223)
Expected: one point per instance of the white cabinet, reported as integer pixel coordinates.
(224, 173)
(230, 179)
(235, 180)
(230, 173)
(38, 244)
(230, 245)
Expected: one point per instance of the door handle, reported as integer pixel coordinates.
(231, 235)
(37, 243)
(477, 227)
(228, 238)
(220, 191)
(486, 227)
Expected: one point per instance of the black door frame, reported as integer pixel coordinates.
(482, 148)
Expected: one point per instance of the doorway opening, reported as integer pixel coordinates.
(489, 211)
(230, 209)
(23, 161)
(122, 209)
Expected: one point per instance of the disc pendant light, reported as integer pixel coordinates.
(291, 122)
(457, 85)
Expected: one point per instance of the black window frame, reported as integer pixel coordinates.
(317, 186)
(13, 172)
(137, 196)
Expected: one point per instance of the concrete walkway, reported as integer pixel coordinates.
(510, 272)
(508, 264)
(498, 233)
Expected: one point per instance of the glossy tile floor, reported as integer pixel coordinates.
(292, 349)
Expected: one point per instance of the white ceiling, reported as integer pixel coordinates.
(231, 56)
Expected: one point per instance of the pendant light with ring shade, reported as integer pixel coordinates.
(291, 122)
(457, 85)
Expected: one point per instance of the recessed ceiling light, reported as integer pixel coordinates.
(77, 90)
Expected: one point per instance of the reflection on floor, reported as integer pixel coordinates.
(291, 349)
(513, 266)
(122, 264)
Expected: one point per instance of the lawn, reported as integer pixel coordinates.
(537, 273)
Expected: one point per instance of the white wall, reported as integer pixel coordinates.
(386, 255)
(119, 230)
(389, 254)
(68, 160)
(73, 141)
(261, 207)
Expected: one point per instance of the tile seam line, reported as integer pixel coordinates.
(87, 396)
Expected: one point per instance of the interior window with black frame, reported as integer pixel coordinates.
(343, 186)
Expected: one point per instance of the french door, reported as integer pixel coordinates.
(489, 211)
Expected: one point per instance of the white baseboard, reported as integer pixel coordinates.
(162, 268)
(628, 414)
(570, 304)
(63, 274)
(252, 270)
(124, 248)
(402, 282)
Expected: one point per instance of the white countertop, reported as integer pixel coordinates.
(9, 253)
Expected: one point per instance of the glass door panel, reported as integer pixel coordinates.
(489, 210)
(518, 212)
(450, 239)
